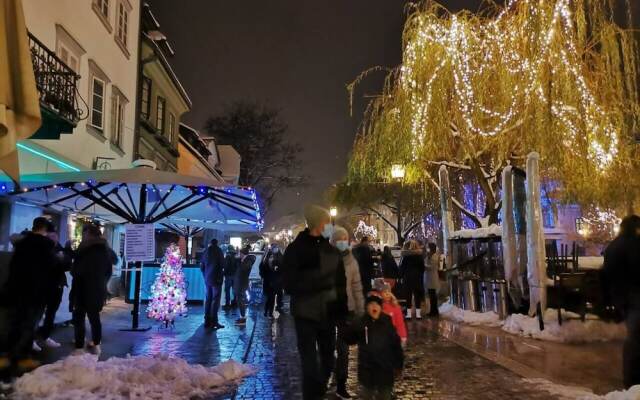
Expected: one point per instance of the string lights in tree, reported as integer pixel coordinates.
(168, 292)
(363, 230)
(481, 90)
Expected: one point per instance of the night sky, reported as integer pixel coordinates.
(295, 55)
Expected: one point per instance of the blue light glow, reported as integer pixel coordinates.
(47, 157)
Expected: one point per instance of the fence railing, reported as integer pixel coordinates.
(56, 82)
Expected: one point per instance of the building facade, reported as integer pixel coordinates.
(85, 59)
(162, 99)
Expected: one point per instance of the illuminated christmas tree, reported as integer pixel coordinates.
(168, 292)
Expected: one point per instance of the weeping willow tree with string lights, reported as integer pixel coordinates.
(479, 91)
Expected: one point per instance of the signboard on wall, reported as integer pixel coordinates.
(140, 242)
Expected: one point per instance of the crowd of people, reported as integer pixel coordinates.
(339, 298)
(230, 273)
(33, 291)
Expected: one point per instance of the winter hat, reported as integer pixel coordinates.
(315, 215)
(339, 232)
(373, 298)
(380, 285)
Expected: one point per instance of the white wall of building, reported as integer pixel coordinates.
(76, 27)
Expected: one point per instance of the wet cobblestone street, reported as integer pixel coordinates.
(436, 368)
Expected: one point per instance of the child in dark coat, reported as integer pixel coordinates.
(380, 355)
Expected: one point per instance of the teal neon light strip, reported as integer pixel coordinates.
(48, 157)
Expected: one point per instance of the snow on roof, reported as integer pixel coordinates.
(491, 230)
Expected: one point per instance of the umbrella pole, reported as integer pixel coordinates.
(137, 273)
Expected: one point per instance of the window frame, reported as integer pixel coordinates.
(103, 7)
(171, 131)
(94, 78)
(145, 99)
(118, 104)
(122, 24)
(160, 116)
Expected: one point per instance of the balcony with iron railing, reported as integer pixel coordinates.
(57, 85)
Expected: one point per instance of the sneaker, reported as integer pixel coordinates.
(241, 321)
(217, 326)
(35, 347)
(52, 344)
(28, 364)
(418, 314)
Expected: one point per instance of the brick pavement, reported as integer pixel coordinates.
(435, 367)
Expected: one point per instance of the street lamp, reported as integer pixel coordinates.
(397, 172)
(333, 212)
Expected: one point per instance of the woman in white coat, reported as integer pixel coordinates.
(431, 278)
(355, 301)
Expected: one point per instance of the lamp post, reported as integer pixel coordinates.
(397, 174)
(333, 212)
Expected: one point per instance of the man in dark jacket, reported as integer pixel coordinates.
(271, 273)
(380, 355)
(64, 258)
(230, 266)
(92, 267)
(212, 267)
(30, 274)
(241, 283)
(313, 273)
(364, 256)
(621, 272)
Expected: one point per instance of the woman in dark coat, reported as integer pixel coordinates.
(390, 271)
(91, 269)
(412, 271)
(271, 273)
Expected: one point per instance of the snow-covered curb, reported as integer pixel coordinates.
(571, 331)
(158, 377)
(579, 393)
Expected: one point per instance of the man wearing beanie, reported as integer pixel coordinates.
(314, 277)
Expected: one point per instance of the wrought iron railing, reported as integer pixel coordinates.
(56, 82)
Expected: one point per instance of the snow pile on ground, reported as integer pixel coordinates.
(579, 393)
(453, 313)
(157, 377)
(571, 331)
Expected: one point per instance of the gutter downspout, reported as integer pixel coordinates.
(136, 128)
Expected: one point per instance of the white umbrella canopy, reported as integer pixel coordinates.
(142, 195)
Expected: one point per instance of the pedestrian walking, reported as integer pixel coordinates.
(63, 261)
(355, 305)
(432, 280)
(230, 266)
(391, 307)
(212, 267)
(271, 273)
(315, 278)
(380, 355)
(241, 282)
(621, 272)
(364, 254)
(92, 267)
(390, 271)
(412, 271)
(31, 271)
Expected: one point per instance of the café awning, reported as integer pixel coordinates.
(142, 195)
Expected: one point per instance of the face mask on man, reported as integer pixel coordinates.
(342, 245)
(327, 231)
